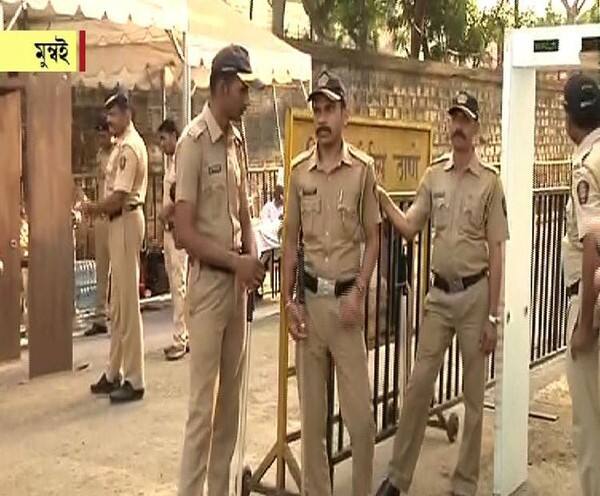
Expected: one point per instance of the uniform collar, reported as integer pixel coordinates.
(474, 165)
(214, 129)
(128, 131)
(345, 160)
(586, 145)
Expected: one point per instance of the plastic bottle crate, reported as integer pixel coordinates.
(85, 284)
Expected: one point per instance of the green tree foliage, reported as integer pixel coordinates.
(445, 30)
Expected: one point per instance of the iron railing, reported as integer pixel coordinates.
(393, 321)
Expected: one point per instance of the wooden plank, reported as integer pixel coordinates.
(50, 190)
(10, 167)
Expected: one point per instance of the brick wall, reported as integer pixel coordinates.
(390, 87)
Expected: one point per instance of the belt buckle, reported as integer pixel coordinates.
(325, 287)
(456, 285)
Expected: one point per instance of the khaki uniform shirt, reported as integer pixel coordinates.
(210, 175)
(102, 159)
(583, 207)
(168, 179)
(128, 167)
(333, 209)
(468, 212)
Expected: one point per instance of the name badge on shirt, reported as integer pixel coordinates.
(309, 192)
(214, 169)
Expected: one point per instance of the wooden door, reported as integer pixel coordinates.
(10, 195)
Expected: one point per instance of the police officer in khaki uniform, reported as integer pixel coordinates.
(101, 256)
(212, 222)
(128, 179)
(332, 201)
(581, 261)
(175, 260)
(465, 199)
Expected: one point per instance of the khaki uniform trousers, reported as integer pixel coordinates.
(348, 350)
(216, 318)
(126, 234)
(176, 265)
(582, 376)
(465, 313)
(102, 257)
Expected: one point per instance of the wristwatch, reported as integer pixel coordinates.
(494, 319)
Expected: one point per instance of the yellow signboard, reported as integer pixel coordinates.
(401, 151)
(42, 51)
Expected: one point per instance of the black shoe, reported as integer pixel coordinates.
(176, 353)
(126, 393)
(387, 489)
(95, 330)
(104, 386)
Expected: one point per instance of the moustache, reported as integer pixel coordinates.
(459, 134)
(323, 128)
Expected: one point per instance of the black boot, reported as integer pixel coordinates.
(95, 330)
(387, 489)
(104, 386)
(126, 393)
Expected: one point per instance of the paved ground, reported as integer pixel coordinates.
(56, 439)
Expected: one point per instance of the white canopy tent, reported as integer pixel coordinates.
(165, 15)
(213, 24)
(133, 49)
(113, 23)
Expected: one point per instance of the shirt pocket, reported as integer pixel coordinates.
(473, 218)
(348, 214)
(441, 213)
(214, 187)
(310, 207)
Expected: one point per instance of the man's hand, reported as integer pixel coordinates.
(352, 306)
(250, 271)
(162, 218)
(583, 341)
(489, 338)
(296, 320)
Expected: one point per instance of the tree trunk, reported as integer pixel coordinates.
(417, 32)
(277, 18)
(319, 13)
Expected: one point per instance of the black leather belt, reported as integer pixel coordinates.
(457, 285)
(169, 226)
(340, 288)
(573, 289)
(127, 208)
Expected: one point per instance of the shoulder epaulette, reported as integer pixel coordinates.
(302, 156)
(441, 159)
(360, 155)
(196, 127)
(489, 167)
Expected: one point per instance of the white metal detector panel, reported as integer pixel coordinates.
(526, 50)
(552, 48)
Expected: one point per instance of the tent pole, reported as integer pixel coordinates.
(186, 104)
(278, 124)
(15, 17)
(1, 17)
(163, 94)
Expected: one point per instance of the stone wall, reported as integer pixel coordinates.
(390, 87)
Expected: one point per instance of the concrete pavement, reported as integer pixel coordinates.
(57, 439)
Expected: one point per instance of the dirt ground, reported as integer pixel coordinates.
(56, 439)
